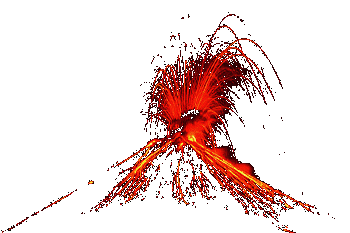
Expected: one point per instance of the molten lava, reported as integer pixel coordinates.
(255, 196)
(191, 99)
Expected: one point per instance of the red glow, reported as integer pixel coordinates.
(192, 98)
(253, 194)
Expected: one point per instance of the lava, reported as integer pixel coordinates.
(254, 195)
(191, 99)
(194, 93)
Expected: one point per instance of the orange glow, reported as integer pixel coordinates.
(191, 138)
(191, 98)
(254, 195)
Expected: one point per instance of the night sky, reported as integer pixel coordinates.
(78, 98)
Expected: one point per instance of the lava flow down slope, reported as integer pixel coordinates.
(191, 173)
(186, 167)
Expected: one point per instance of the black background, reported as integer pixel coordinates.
(77, 96)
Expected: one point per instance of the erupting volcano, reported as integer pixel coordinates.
(190, 98)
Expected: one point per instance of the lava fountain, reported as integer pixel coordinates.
(191, 98)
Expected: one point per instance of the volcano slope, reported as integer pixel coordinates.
(176, 183)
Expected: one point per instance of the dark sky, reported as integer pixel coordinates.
(80, 103)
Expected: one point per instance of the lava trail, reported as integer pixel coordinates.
(255, 196)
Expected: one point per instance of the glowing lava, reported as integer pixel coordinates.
(190, 98)
(255, 196)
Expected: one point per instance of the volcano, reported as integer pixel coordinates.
(187, 171)
(182, 181)
(177, 183)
